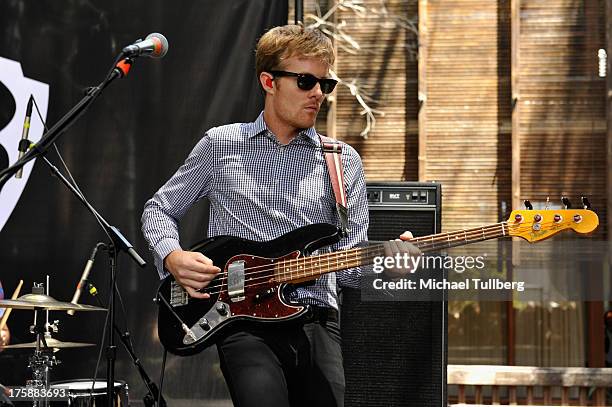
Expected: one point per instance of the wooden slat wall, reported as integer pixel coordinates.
(389, 74)
(468, 112)
(466, 121)
(386, 71)
(562, 101)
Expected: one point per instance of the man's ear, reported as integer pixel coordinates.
(267, 82)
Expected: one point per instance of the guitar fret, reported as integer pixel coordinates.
(316, 265)
(313, 266)
(312, 269)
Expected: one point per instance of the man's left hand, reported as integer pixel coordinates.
(401, 246)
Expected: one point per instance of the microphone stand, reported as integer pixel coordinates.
(117, 242)
(63, 124)
(150, 399)
(153, 392)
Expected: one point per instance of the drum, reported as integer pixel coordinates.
(79, 393)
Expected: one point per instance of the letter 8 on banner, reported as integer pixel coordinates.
(20, 89)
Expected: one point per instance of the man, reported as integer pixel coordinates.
(264, 179)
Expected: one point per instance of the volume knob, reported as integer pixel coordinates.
(204, 324)
(221, 308)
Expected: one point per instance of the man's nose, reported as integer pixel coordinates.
(316, 91)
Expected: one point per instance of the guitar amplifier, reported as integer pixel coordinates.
(395, 352)
(399, 206)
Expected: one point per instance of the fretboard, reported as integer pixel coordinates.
(309, 268)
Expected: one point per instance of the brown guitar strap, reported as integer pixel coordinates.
(333, 157)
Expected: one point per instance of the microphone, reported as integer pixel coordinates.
(154, 46)
(84, 276)
(24, 143)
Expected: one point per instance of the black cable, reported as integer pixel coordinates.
(125, 315)
(106, 324)
(151, 386)
(73, 181)
(161, 377)
(59, 155)
(95, 375)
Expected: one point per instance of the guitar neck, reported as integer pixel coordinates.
(309, 268)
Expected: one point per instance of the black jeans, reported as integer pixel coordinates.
(285, 366)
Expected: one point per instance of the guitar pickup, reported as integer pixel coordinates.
(235, 280)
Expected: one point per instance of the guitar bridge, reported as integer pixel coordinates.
(178, 295)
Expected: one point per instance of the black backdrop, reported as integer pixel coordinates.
(128, 144)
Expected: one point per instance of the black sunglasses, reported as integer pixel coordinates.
(306, 81)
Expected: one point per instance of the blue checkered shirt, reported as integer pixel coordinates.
(260, 189)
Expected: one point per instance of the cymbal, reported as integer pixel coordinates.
(51, 343)
(33, 301)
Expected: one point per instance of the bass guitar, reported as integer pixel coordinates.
(250, 287)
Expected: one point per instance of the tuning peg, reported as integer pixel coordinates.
(528, 204)
(585, 202)
(566, 202)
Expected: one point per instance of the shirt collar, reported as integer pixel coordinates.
(259, 127)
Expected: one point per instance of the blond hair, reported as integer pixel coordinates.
(287, 41)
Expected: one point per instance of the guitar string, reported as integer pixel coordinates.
(463, 233)
(366, 252)
(345, 253)
(428, 243)
(334, 256)
(306, 270)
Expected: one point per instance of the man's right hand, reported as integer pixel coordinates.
(192, 270)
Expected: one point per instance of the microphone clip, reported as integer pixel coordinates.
(24, 145)
(123, 67)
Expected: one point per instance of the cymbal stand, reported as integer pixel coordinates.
(43, 359)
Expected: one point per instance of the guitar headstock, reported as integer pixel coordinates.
(538, 224)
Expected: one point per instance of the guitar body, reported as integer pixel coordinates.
(245, 291)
